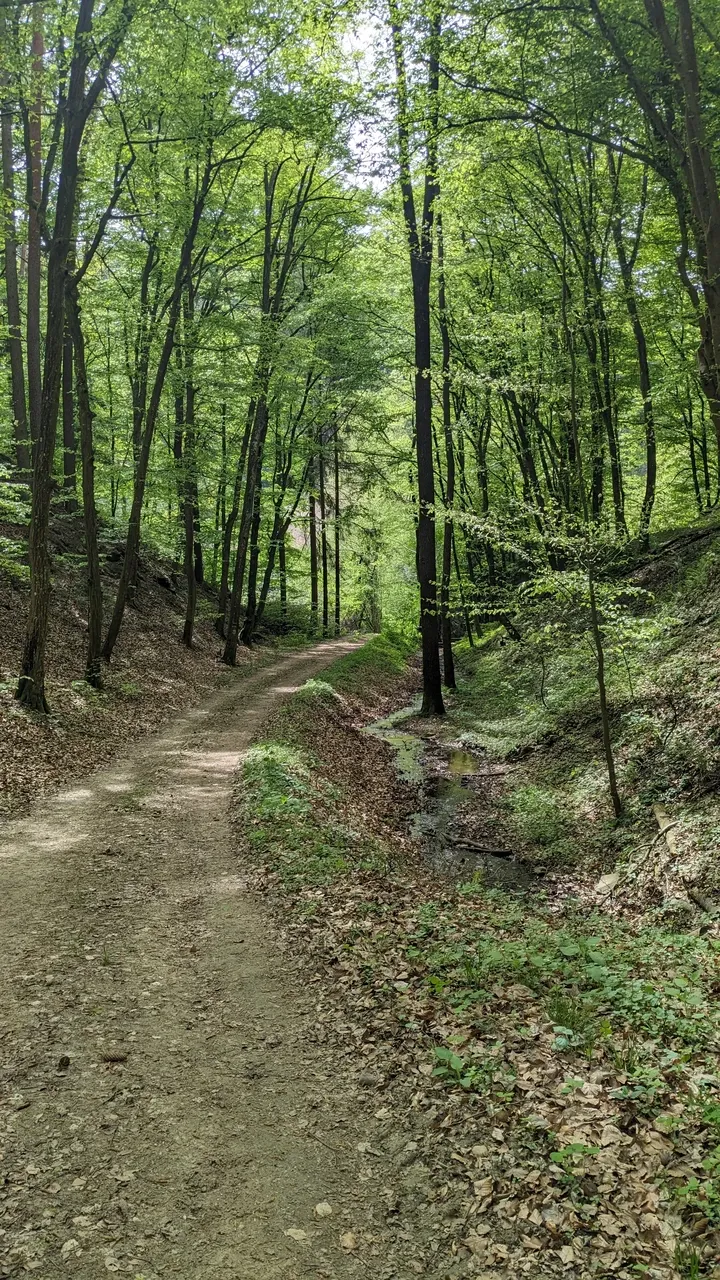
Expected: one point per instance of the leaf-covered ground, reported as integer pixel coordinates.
(555, 1065)
(152, 675)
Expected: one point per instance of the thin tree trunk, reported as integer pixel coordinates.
(446, 620)
(627, 264)
(12, 292)
(31, 685)
(220, 513)
(282, 574)
(93, 673)
(602, 691)
(34, 264)
(224, 592)
(336, 463)
(253, 566)
(129, 568)
(312, 531)
(68, 421)
(189, 469)
(323, 543)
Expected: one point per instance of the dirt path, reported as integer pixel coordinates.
(165, 1111)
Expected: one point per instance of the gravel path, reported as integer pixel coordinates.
(166, 1110)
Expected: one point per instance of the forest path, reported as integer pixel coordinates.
(196, 1122)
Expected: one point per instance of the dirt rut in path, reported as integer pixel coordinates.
(159, 1071)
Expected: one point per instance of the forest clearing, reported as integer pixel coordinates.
(360, 639)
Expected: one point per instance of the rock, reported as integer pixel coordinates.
(369, 1077)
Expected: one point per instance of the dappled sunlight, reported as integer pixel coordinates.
(76, 796)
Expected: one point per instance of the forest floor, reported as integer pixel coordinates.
(167, 1109)
(539, 1054)
(152, 676)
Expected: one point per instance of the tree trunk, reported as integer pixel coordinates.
(604, 715)
(93, 673)
(336, 462)
(189, 470)
(312, 531)
(224, 592)
(31, 685)
(132, 546)
(12, 293)
(323, 543)
(68, 421)
(34, 264)
(419, 239)
(246, 634)
(448, 660)
(282, 573)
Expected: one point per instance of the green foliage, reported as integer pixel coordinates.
(538, 818)
(287, 814)
(374, 666)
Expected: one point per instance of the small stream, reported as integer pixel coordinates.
(443, 796)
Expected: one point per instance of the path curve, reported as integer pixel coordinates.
(159, 1073)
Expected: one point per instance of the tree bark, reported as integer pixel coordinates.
(602, 691)
(68, 422)
(447, 558)
(34, 244)
(132, 546)
(282, 574)
(419, 239)
(312, 533)
(93, 671)
(323, 543)
(79, 105)
(12, 292)
(336, 527)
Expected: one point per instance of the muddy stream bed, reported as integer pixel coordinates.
(457, 822)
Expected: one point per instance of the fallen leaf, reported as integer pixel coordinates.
(349, 1241)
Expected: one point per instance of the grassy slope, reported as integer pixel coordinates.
(587, 1043)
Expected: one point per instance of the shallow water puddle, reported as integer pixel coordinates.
(442, 797)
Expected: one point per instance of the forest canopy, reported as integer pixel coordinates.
(401, 312)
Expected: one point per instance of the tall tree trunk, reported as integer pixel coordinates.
(220, 500)
(246, 634)
(419, 239)
(336, 464)
(323, 542)
(254, 475)
(312, 533)
(448, 659)
(68, 421)
(31, 685)
(189, 468)
(12, 292)
(224, 592)
(34, 246)
(132, 546)
(602, 691)
(93, 673)
(282, 574)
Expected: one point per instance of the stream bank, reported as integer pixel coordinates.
(458, 823)
(540, 1077)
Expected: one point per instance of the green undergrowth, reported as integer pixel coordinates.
(294, 817)
(534, 704)
(507, 1003)
(287, 812)
(373, 669)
